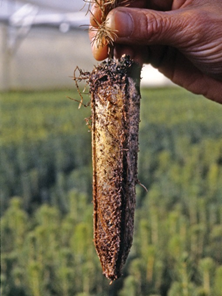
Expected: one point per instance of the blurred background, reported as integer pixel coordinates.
(46, 172)
(41, 43)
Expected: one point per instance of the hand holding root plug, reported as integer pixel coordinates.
(181, 38)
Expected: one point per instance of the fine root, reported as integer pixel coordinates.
(83, 76)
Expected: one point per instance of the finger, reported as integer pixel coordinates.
(147, 27)
(155, 4)
(178, 3)
(181, 71)
(95, 15)
(137, 53)
(99, 52)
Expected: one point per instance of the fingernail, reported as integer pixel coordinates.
(120, 21)
(99, 52)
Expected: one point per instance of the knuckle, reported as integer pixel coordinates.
(152, 26)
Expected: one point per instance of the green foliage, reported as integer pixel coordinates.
(47, 232)
(46, 137)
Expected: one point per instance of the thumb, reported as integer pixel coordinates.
(148, 27)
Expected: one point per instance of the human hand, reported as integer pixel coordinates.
(182, 38)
